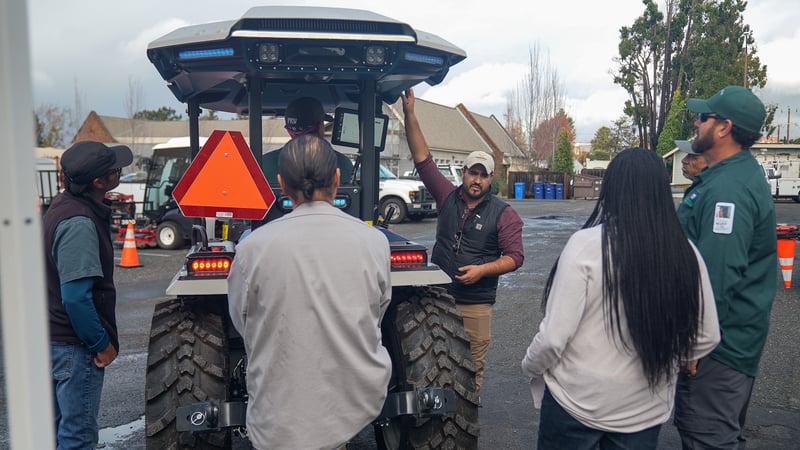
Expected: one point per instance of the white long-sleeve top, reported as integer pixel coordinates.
(307, 292)
(588, 372)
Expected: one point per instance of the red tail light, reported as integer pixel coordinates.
(209, 266)
(409, 259)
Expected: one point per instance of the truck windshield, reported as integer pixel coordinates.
(168, 166)
(386, 174)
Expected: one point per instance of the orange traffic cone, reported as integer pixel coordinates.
(787, 236)
(129, 256)
(785, 259)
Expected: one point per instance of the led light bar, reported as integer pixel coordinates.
(208, 266)
(205, 53)
(409, 259)
(340, 201)
(425, 59)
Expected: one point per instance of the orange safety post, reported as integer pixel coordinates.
(787, 241)
(130, 257)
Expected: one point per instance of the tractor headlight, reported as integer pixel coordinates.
(376, 56)
(268, 53)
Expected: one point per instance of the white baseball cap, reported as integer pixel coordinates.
(482, 158)
(686, 147)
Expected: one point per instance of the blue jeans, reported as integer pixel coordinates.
(77, 384)
(559, 430)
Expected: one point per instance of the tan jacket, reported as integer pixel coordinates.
(308, 292)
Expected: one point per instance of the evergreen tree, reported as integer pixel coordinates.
(694, 47)
(675, 127)
(164, 113)
(602, 142)
(563, 157)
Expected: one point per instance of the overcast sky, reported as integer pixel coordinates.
(99, 46)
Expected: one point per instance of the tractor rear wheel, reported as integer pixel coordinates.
(187, 363)
(430, 348)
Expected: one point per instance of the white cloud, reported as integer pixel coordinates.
(597, 110)
(483, 89)
(134, 47)
(101, 48)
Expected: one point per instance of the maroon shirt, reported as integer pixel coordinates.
(509, 226)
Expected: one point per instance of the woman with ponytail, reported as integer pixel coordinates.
(307, 292)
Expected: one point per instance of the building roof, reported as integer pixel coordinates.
(498, 134)
(448, 131)
(127, 131)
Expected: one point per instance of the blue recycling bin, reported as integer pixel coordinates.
(559, 191)
(549, 191)
(538, 190)
(519, 189)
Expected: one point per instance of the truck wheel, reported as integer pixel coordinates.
(169, 236)
(796, 198)
(430, 348)
(399, 209)
(186, 363)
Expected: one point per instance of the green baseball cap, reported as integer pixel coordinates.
(736, 103)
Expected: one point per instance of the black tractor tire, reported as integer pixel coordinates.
(399, 210)
(430, 348)
(187, 363)
(169, 235)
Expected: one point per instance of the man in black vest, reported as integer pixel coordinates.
(79, 264)
(478, 236)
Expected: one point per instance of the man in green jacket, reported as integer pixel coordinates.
(729, 214)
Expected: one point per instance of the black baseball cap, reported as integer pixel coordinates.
(304, 113)
(87, 160)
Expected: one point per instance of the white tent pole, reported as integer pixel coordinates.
(26, 348)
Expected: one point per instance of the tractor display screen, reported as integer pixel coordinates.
(346, 131)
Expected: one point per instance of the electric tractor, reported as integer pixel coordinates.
(353, 61)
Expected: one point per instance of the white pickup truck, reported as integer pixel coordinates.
(409, 198)
(451, 171)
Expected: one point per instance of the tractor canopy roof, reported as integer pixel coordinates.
(327, 53)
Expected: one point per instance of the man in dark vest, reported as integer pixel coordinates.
(478, 236)
(79, 264)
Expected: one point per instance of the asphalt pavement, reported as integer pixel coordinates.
(508, 419)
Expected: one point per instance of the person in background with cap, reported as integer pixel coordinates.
(478, 236)
(692, 163)
(728, 214)
(304, 115)
(79, 266)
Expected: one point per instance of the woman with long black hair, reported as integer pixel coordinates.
(627, 304)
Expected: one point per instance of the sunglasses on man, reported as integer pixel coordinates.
(705, 116)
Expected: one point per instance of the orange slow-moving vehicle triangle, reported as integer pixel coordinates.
(224, 181)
